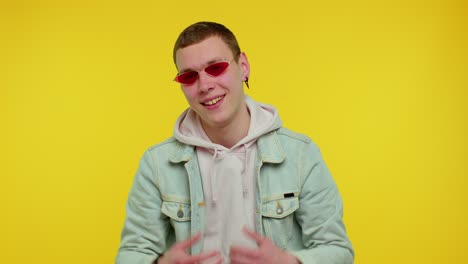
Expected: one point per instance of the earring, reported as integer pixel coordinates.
(247, 82)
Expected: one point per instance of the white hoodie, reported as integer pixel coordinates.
(228, 176)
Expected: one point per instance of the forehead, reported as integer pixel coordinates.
(202, 53)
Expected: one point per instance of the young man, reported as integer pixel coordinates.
(232, 185)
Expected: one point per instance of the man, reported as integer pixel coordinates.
(232, 185)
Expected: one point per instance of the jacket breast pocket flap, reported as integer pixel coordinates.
(179, 212)
(280, 208)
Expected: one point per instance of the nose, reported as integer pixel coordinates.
(205, 82)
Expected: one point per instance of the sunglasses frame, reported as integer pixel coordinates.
(204, 69)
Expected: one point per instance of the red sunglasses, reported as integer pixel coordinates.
(214, 70)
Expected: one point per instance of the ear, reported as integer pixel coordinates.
(245, 66)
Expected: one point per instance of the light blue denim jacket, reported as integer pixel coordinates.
(298, 204)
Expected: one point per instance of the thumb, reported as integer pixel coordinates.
(253, 235)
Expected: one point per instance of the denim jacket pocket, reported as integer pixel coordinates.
(180, 215)
(278, 219)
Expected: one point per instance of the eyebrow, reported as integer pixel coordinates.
(204, 65)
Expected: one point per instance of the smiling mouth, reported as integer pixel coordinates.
(214, 101)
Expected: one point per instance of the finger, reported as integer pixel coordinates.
(189, 241)
(244, 252)
(219, 261)
(241, 259)
(258, 238)
(202, 257)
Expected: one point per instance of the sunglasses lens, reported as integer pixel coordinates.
(191, 77)
(217, 68)
(187, 77)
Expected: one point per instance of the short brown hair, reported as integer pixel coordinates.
(200, 31)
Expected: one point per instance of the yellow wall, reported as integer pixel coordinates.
(381, 86)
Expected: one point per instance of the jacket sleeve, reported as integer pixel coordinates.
(144, 233)
(320, 214)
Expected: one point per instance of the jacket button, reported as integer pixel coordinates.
(279, 210)
(180, 214)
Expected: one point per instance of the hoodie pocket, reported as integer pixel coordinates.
(181, 216)
(278, 219)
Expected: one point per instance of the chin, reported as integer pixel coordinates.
(216, 121)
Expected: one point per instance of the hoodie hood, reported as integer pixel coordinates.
(263, 119)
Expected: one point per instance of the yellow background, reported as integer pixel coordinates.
(381, 86)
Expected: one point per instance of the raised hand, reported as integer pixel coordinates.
(266, 253)
(177, 254)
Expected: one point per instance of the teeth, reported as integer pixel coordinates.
(214, 101)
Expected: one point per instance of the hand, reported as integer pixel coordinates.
(177, 254)
(266, 253)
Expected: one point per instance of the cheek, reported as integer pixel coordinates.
(189, 94)
(233, 84)
(229, 82)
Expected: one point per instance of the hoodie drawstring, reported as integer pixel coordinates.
(244, 171)
(213, 178)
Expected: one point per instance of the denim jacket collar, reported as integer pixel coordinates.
(269, 150)
(183, 153)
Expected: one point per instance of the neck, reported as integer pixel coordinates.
(228, 135)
